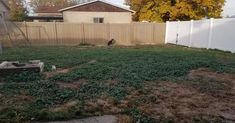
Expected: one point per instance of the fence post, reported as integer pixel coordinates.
(132, 33)
(191, 33)
(210, 33)
(153, 37)
(177, 33)
(109, 31)
(166, 33)
(26, 30)
(83, 34)
(56, 33)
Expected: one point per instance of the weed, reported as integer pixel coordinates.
(24, 77)
(139, 117)
(131, 68)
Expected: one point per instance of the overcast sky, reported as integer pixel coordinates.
(229, 8)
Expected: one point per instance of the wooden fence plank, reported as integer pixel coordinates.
(72, 34)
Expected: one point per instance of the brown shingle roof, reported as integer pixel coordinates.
(48, 9)
(97, 6)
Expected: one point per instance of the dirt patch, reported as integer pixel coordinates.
(219, 84)
(179, 101)
(58, 71)
(183, 103)
(124, 119)
(64, 107)
(73, 85)
(204, 73)
(108, 106)
(20, 98)
(66, 70)
(105, 105)
(92, 62)
(112, 82)
(24, 98)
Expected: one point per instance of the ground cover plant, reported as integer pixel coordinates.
(145, 84)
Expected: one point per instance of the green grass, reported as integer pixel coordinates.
(130, 68)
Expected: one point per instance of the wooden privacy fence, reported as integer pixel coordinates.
(71, 34)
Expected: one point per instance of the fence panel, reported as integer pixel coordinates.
(11, 36)
(200, 35)
(159, 33)
(223, 35)
(210, 34)
(71, 34)
(97, 34)
(172, 30)
(183, 37)
(143, 33)
(41, 34)
(121, 33)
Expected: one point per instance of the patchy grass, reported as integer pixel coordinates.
(124, 77)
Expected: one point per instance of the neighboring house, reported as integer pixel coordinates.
(97, 11)
(47, 14)
(4, 9)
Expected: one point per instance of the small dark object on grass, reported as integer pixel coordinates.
(111, 42)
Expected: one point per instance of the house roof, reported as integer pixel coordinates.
(95, 1)
(44, 17)
(5, 4)
(48, 9)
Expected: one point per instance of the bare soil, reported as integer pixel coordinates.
(124, 119)
(65, 70)
(176, 101)
(73, 85)
(92, 61)
(58, 71)
(64, 107)
(183, 103)
(24, 98)
(227, 79)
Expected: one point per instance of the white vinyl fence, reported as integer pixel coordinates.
(210, 34)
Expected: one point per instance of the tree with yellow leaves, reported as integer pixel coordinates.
(164, 10)
(18, 11)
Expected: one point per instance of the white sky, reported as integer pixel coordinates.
(229, 8)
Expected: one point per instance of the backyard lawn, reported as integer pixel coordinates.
(144, 84)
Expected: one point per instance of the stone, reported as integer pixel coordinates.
(14, 67)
